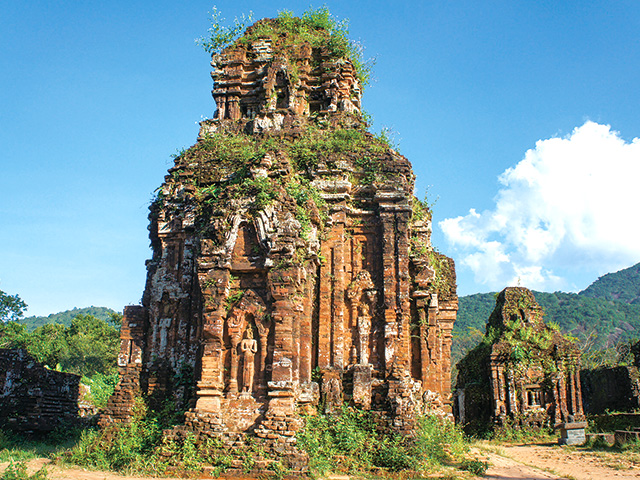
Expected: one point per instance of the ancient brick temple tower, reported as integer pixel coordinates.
(291, 261)
(523, 372)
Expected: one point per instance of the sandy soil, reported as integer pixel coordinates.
(554, 462)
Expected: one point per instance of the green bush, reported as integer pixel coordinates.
(140, 446)
(439, 440)
(101, 386)
(475, 466)
(517, 430)
(352, 442)
(122, 446)
(88, 346)
(351, 436)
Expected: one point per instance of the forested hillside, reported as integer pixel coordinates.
(623, 286)
(65, 317)
(601, 316)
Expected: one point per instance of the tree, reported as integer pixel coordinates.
(13, 335)
(93, 346)
(11, 307)
(49, 344)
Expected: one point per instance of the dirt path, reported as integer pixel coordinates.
(524, 462)
(514, 462)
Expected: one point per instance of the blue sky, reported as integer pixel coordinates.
(519, 118)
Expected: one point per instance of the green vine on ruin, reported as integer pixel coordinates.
(526, 338)
(218, 172)
(420, 210)
(443, 282)
(316, 27)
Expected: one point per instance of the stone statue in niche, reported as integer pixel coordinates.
(364, 325)
(247, 317)
(364, 332)
(362, 295)
(332, 390)
(249, 348)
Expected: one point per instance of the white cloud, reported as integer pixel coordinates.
(570, 203)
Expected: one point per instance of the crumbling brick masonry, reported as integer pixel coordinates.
(291, 261)
(34, 398)
(524, 371)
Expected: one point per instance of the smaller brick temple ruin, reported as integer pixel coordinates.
(34, 398)
(523, 372)
(292, 265)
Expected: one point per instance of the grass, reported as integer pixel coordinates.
(18, 448)
(517, 433)
(137, 447)
(353, 443)
(316, 26)
(618, 456)
(140, 447)
(18, 471)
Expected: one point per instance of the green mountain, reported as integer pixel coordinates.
(602, 315)
(623, 286)
(103, 313)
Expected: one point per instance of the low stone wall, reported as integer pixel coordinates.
(614, 421)
(32, 397)
(613, 389)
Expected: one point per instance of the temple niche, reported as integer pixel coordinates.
(292, 266)
(524, 372)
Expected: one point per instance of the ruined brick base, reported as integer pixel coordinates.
(254, 452)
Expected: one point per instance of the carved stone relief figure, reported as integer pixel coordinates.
(249, 348)
(364, 331)
(364, 324)
(362, 296)
(353, 355)
(248, 313)
(332, 95)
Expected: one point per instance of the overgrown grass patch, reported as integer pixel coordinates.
(519, 432)
(18, 471)
(354, 442)
(140, 446)
(612, 421)
(18, 447)
(101, 387)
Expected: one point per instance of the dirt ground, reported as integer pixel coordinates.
(547, 461)
(514, 462)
